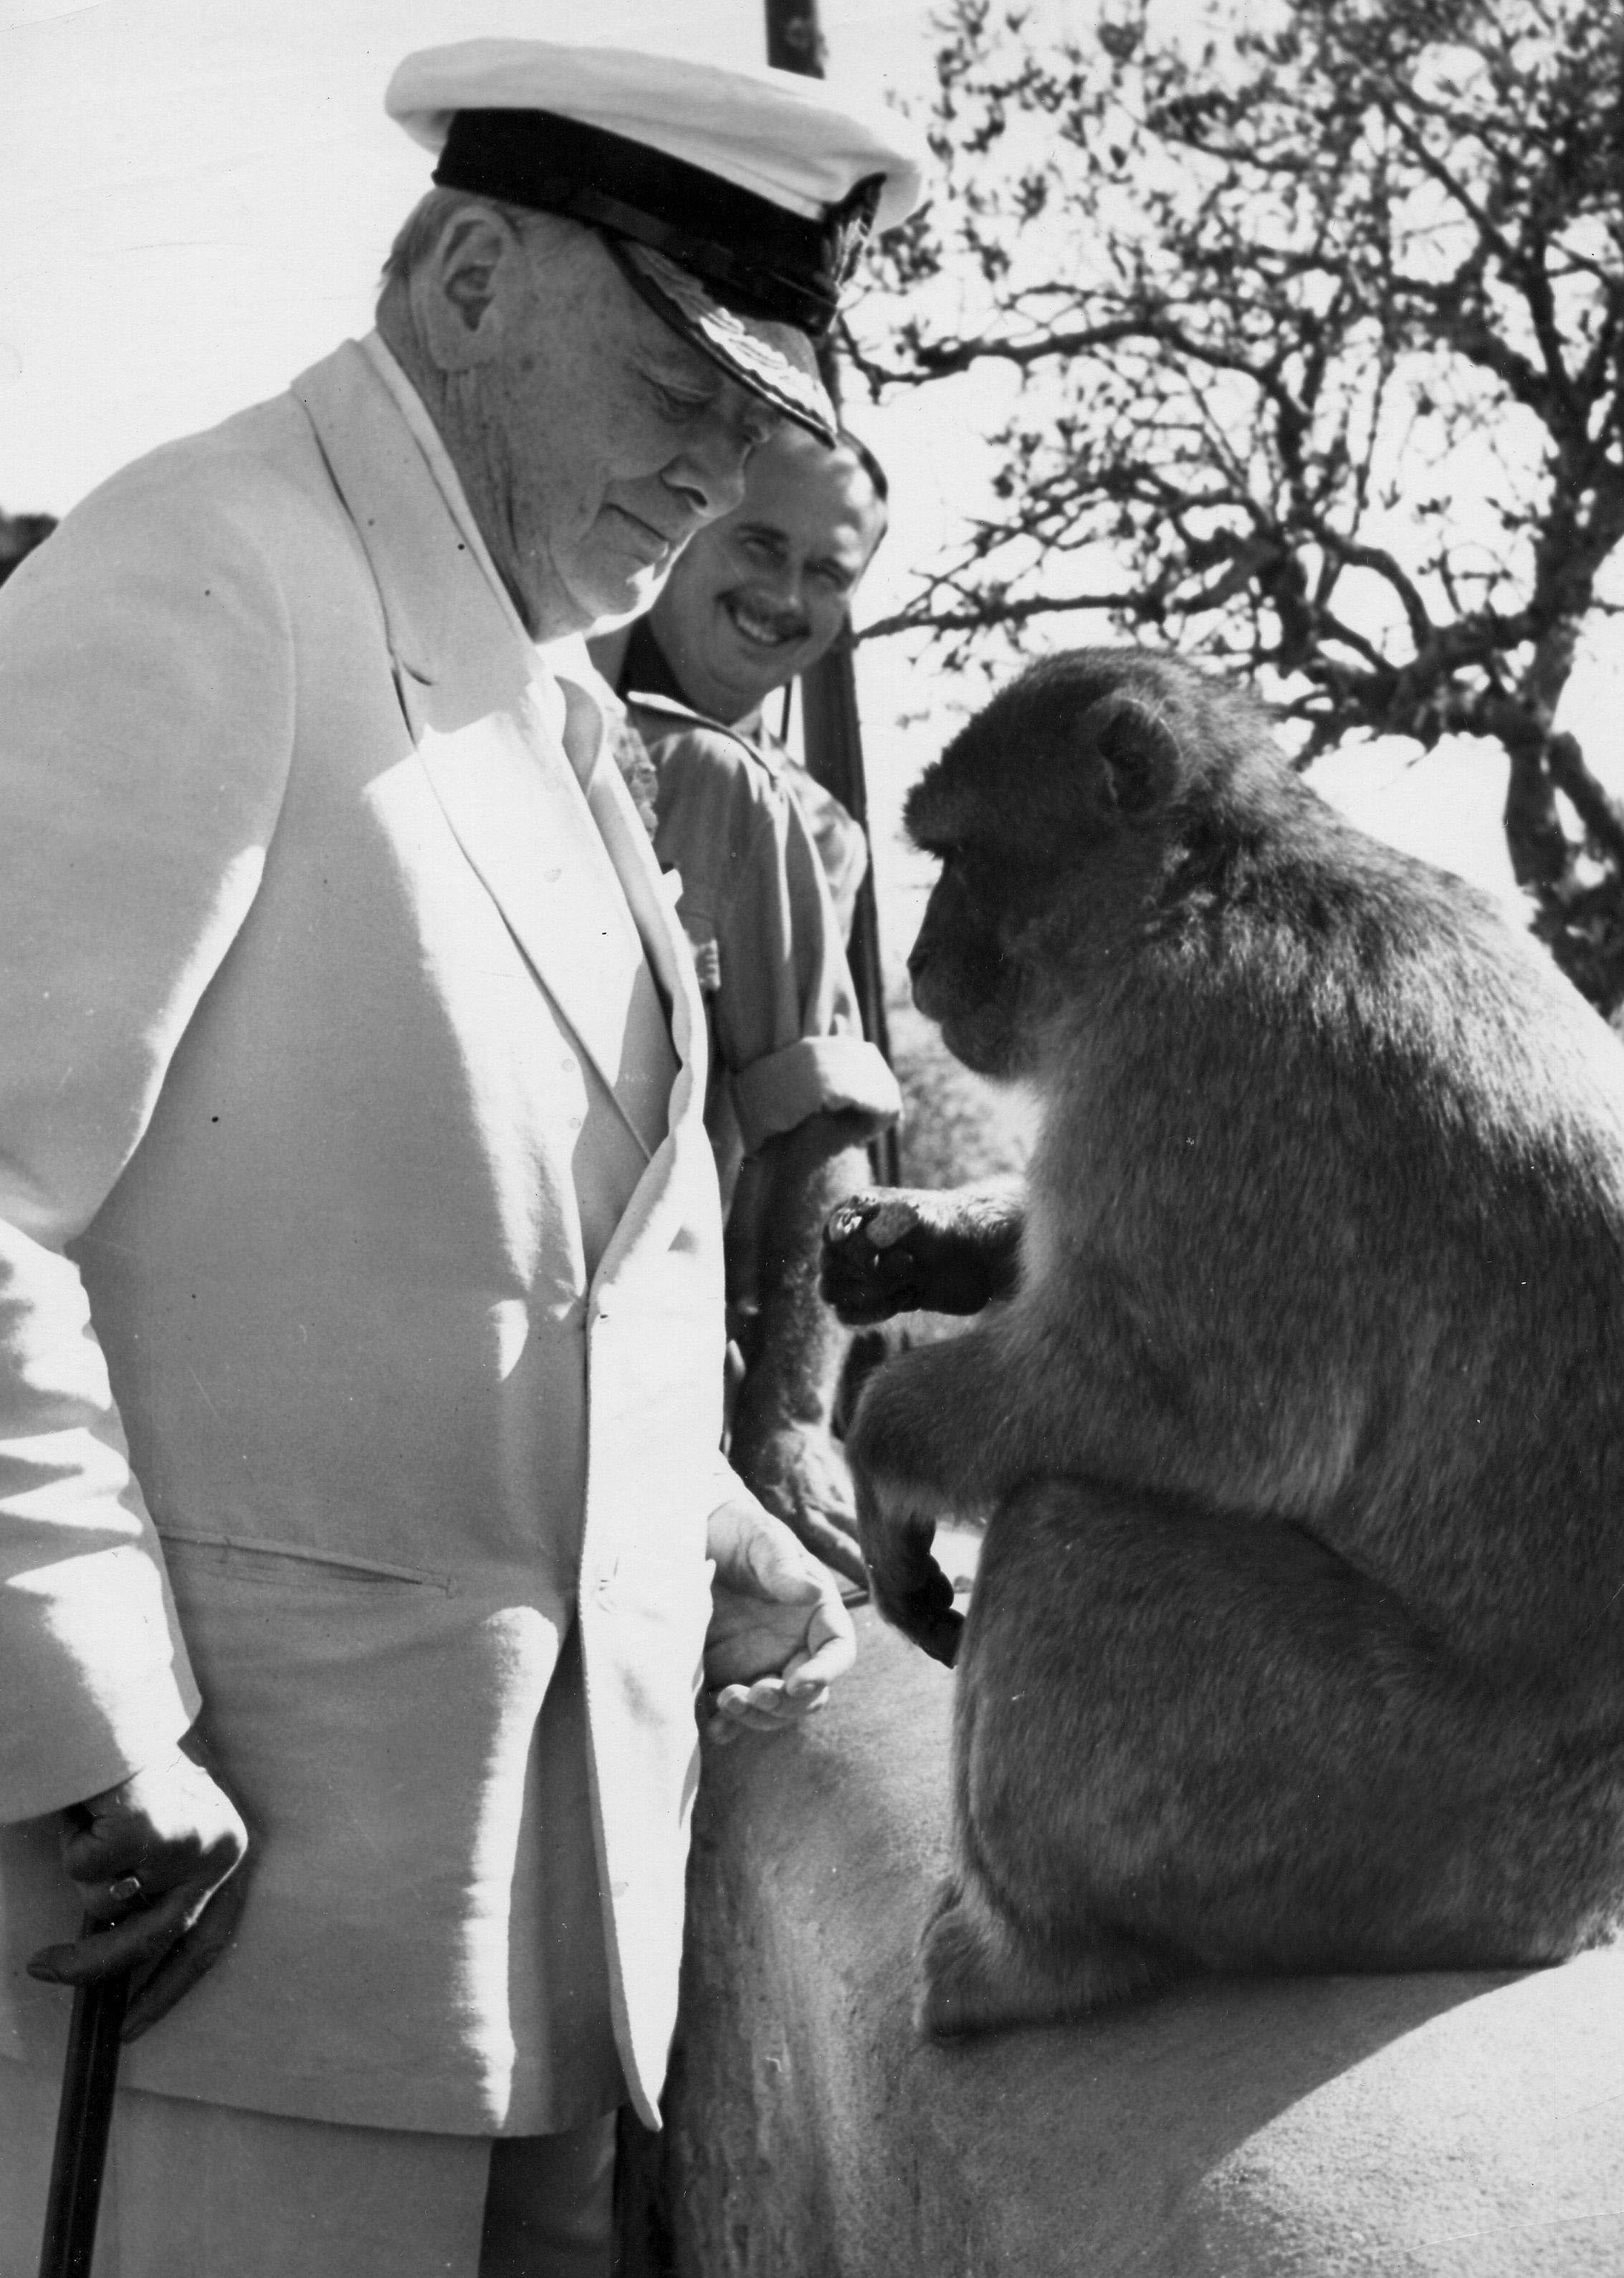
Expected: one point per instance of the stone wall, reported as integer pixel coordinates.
(1336, 2128)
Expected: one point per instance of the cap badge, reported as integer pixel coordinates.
(737, 342)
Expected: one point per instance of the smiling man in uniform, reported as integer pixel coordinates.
(757, 598)
(766, 857)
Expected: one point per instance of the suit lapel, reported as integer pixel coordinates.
(472, 691)
(648, 891)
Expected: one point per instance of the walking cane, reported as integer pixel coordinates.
(83, 2120)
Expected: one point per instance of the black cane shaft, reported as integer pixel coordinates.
(83, 2122)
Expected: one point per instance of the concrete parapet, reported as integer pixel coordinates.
(1331, 2127)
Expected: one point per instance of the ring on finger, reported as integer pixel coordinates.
(126, 1887)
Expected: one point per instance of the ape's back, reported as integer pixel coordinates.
(1349, 1154)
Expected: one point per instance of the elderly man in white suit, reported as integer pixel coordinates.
(359, 1293)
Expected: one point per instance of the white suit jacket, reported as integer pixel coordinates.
(302, 902)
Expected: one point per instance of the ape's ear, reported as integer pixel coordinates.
(1139, 748)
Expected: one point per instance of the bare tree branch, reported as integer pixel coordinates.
(1333, 372)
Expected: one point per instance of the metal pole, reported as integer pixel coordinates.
(794, 42)
(834, 733)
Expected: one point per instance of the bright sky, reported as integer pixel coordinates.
(198, 193)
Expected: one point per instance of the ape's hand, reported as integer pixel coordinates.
(908, 1588)
(914, 1249)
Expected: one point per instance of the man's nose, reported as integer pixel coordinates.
(779, 582)
(710, 470)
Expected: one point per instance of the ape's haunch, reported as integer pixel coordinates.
(1298, 1641)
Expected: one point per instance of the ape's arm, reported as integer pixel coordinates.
(926, 1445)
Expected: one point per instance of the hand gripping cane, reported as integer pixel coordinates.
(83, 2120)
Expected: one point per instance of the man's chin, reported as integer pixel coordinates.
(752, 673)
(616, 600)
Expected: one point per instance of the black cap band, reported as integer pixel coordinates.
(758, 259)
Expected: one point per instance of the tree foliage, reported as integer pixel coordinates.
(1319, 316)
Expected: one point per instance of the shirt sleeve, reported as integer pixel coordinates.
(839, 837)
(784, 1012)
(146, 702)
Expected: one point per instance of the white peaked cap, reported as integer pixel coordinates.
(801, 143)
(735, 201)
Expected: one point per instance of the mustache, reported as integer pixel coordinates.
(786, 623)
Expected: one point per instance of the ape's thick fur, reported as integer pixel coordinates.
(1299, 1637)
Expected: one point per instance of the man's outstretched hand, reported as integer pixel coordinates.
(155, 1859)
(779, 1634)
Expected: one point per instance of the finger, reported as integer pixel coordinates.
(94, 1857)
(847, 1219)
(114, 1877)
(750, 1704)
(834, 1507)
(141, 1937)
(728, 1714)
(865, 1307)
(832, 1645)
(112, 1902)
(143, 1932)
(109, 1887)
(780, 1569)
(886, 1283)
(823, 1535)
(833, 1658)
(856, 1257)
(766, 1706)
(736, 1702)
(112, 1850)
(190, 1958)
(842, 1279)
(941, 1641)
(915, 1600)
(932, 1624)
(890, 1222)
(762, 1720)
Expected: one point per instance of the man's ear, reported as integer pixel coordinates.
(461, 294)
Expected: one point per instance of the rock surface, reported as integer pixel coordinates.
(1333, 2128)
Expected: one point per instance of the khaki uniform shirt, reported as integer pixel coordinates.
(756, 907)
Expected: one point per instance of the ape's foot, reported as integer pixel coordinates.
(979, 1974)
